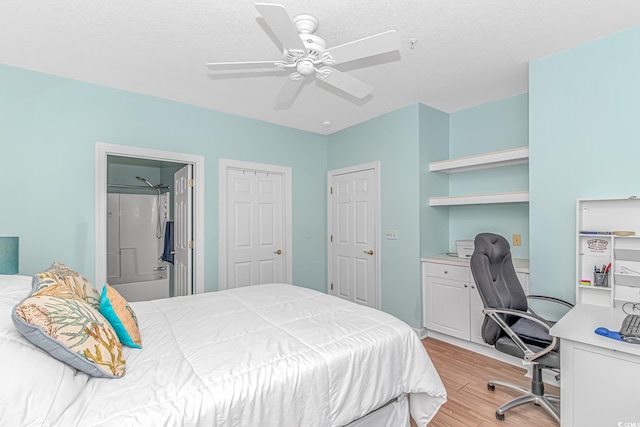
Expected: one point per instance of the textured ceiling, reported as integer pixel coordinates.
(469, 52)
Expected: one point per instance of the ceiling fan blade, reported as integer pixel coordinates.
(256, 65)
(289, 90)
(363, 48)
(344, 82)
(278, 20)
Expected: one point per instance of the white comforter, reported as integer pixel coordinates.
(267, 355)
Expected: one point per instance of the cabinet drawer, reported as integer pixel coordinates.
(627, 293)
(446, 271)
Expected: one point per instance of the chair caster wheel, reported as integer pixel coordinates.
(499, 417)
(491, 387)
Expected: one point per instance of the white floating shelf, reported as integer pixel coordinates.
(480, 199)
(596, 288)
(516, 156)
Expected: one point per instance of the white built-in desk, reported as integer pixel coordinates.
(600, 377)
(452, 308)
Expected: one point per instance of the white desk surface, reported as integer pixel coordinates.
(521, 265)
(582, 320)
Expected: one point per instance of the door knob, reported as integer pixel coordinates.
(278, 252)
(369, 252)
(173, 252)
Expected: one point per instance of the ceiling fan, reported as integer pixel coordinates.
(305, 53)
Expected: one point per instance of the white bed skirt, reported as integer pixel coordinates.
(393, 414)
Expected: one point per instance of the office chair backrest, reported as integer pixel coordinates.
(497, 282)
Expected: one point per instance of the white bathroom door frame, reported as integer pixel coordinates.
(225, 166)
(102, 151)
(377, 253)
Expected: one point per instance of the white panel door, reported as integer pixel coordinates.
(183, 232)
(353, 225)
(255, 228)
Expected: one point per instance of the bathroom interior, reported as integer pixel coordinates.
(140, 227)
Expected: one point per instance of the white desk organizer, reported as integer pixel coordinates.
(608, 233)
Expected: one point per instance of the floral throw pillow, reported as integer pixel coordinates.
(56, 320)
(74, 280)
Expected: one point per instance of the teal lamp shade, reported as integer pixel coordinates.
(9, 255)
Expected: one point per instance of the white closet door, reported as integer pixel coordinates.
(255, 228)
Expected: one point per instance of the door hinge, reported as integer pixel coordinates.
(331, 190)
(332, 237)
(332, 286)
(190, 244)
(191, 183)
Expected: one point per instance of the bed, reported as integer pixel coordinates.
(266, 355)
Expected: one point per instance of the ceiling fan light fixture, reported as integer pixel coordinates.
(305, 67)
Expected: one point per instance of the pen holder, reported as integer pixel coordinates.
(601, 279)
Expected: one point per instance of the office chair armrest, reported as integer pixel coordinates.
(529, 354)
(550, 299)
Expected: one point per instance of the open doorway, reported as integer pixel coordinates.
(141, 197)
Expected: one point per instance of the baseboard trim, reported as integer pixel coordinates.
(421, 332)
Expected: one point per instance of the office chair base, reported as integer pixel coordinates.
(544, 400)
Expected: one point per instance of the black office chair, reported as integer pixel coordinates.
(510, 325)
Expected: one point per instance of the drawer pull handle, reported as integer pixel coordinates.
(466, 286)
(446, 272)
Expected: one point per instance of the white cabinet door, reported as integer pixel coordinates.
(605, 395)
(447, 306)
(476, 317)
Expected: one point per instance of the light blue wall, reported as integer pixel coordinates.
(496, 126)
(584, 143)
(393, 140)
(48, 129)
(434, 145)
(583, 105)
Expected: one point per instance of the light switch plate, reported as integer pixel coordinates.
(517, 240)
(392, 234)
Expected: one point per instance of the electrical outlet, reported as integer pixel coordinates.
(517, 240)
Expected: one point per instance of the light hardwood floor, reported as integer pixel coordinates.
(469, 402)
